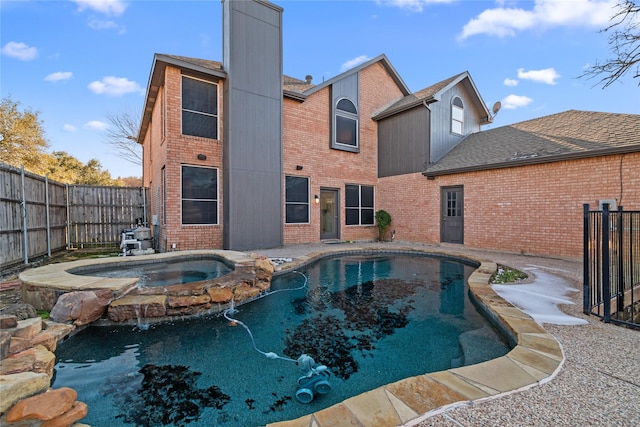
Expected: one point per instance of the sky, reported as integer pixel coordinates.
(77, 62)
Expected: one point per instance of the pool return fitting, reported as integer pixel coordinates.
(315, 377)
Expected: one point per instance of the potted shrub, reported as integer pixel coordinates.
(383, 219)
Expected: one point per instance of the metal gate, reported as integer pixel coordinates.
(612, 265)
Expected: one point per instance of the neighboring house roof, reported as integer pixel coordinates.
(434, 93)
(568, 135)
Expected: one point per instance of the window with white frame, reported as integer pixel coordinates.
(199, 108)
(359, 204)
(296, 200)
(457, 116)
(199, 195)
(346, 123)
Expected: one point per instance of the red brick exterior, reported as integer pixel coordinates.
(167, 147)
(535, 209)
(306, 136)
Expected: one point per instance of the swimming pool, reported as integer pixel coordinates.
(371, 319)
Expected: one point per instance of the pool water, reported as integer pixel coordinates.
(166, 273)
(371, 320)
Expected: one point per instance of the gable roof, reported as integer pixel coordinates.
(571, 134)
(382, 59)
(433, 94)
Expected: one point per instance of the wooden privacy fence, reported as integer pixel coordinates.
(39, 216)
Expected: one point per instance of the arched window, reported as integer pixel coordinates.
(457, 116)
(346, 131)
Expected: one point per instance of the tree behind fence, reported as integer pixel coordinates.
(38, 216)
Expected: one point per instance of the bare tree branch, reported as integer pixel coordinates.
(123, 135)
(624, 39)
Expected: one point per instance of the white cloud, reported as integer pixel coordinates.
(504, 22)
(20, 51)
(510, 82)
(512, 102)
(96, 125)
(411, 5)
(548, 75)
(115, 86)
(106, 7)
(59, 76)
(353, 62)
(99, 24)
(69, 128)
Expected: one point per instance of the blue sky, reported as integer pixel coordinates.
(77, 62)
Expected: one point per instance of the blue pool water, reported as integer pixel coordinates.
(371, 320)
(165, 273)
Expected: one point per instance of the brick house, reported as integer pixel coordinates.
(239, 156)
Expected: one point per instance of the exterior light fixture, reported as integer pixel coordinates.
(316, 199)
(298, 167)
(202, 157)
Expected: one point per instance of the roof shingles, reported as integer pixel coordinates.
(556, 137)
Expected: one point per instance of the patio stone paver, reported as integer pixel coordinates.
(404, 411)
(335, 416)
(423, 394)
(458, 385)
(541, 342)
(500, 374)
(528, 357)
(373, 409)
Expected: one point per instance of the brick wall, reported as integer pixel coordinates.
(306, 136)
(172, 150)
(533, 209)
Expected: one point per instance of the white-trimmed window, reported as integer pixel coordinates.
(199, 195)
(296, 200)
(359, 204)
(457, 116)
(199, 108)
(346, 124)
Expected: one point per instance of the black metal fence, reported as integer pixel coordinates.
(612, 265)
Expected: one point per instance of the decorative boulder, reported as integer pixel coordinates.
(81, 307)
(44, 406)
(220, 295)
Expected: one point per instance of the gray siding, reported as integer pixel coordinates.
(348, 87)
(403, 143)
(252, 118)
(442, 140)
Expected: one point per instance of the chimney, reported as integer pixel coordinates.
(308, 78)
(252, 149)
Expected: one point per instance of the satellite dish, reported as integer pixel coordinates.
(496, 107)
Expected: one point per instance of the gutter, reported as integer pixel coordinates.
(409, 106)
(534, 161)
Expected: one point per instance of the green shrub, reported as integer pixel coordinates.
(383, 219)
(507, 275)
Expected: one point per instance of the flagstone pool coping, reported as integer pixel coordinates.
(536, 357)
